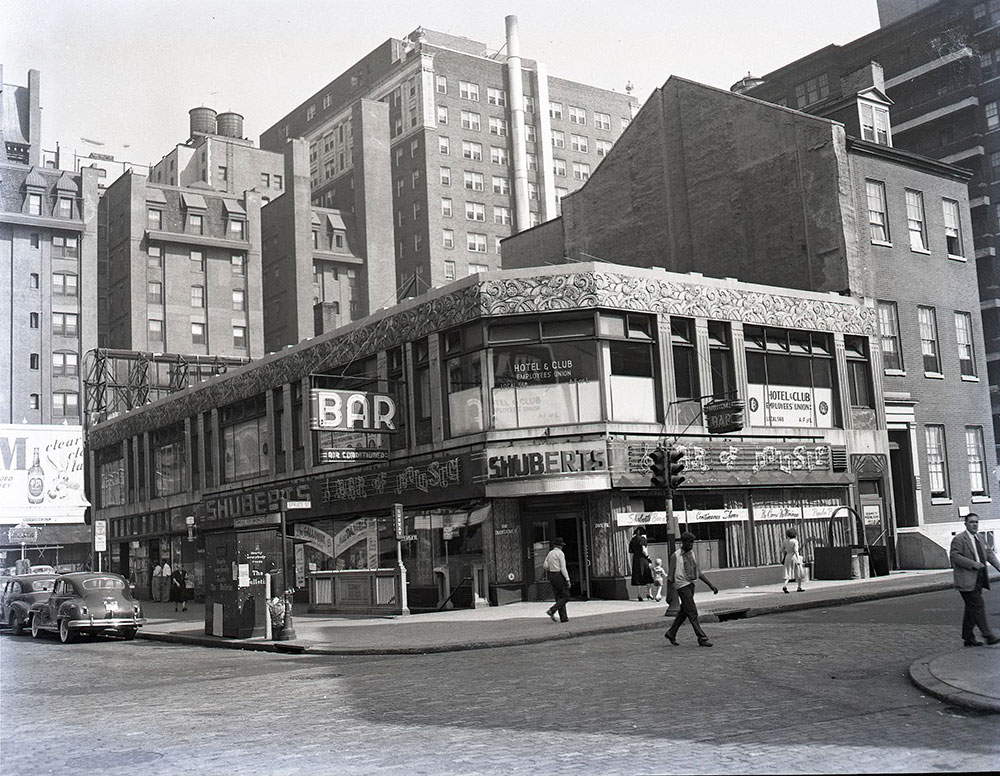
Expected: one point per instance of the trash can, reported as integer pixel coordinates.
(831, 563)
(879, 559)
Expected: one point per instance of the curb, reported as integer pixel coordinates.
(923, 678)
(720, 615)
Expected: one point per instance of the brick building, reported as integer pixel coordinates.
(48, 320)
(712, 182)
(482, 144)
(941, 62)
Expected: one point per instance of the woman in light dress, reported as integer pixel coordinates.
(792, 560)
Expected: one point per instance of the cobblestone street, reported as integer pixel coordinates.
(822, 690)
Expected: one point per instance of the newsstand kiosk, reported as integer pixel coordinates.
(238, 559)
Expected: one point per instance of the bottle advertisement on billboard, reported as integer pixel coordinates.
(41, 474)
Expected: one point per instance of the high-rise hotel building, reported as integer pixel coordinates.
(483, 144)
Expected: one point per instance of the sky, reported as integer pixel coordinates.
(124, 73)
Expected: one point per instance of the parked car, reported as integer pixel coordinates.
(19, 594)
(44, 569)
(88, 602)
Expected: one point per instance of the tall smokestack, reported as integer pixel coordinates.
(515, 91)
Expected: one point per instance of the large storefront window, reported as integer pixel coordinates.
(395, 359)
(246, 452)
(169, 460)
(111, 476)
(790, 378)
(446, 538)
(462, 356)
(721, 360)
(547, 378)
(682, 344)
(632, 378)
(736, 528)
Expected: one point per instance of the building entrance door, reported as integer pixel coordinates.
(544, 521)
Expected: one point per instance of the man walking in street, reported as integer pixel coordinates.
(969, 556)
(555, 566)
(683, 571)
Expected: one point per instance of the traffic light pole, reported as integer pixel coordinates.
(673, 602)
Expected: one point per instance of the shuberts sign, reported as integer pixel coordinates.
(555, 460)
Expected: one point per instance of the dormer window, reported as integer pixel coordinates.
(875, 123)
(34, 204)
(194, 217)
(64, 207)
(237, 229)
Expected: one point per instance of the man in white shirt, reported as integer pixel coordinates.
(156, 581)
(969, 556)
(165, 573)
(555, 566)
(683, 571)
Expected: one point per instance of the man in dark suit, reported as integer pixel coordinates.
(969, 556)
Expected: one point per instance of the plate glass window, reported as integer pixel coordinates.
(915, 221)
(976, 453)
(952, 227)
(877, 221)
(937, 460)
(966, 351)
(927, 319)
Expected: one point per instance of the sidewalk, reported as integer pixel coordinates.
(966, 677)
(523, 623)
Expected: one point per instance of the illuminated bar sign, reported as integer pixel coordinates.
(332, 410)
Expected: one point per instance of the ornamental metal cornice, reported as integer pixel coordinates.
(511, 296)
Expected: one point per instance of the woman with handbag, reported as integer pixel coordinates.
(642, 576)
(792, 561)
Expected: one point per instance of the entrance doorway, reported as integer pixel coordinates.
(544, 520)
(904, 487)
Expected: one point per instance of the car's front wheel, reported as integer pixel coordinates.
(36, 632)
(66, 635)
(128, 633)
(16, 626)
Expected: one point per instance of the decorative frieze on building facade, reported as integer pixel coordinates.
(493, 298)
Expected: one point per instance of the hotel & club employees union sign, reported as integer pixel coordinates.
(41, 474)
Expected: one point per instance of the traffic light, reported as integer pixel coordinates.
(658, 468)
(675, 458)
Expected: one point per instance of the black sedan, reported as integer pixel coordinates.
(88, 602)
(19, 594)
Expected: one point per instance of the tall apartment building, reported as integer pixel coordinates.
(735, 187)
(941, 63)
(180, 270)
(48, 245)
(48, 320)
(483, 144)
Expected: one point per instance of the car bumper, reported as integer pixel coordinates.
(108, 622)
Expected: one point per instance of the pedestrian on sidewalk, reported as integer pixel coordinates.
(969, 556)
(792, 560)
(659, 576)
(683, 571)
(156, 582)
(165, 573)
(642, 577)
(555, 566)
(178, 588)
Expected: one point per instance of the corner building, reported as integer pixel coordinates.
(710, 181)
(483, 144)
(526, 405)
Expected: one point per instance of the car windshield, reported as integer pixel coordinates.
(103, 583)
(42, 585)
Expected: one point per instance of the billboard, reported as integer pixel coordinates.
(41, 474)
